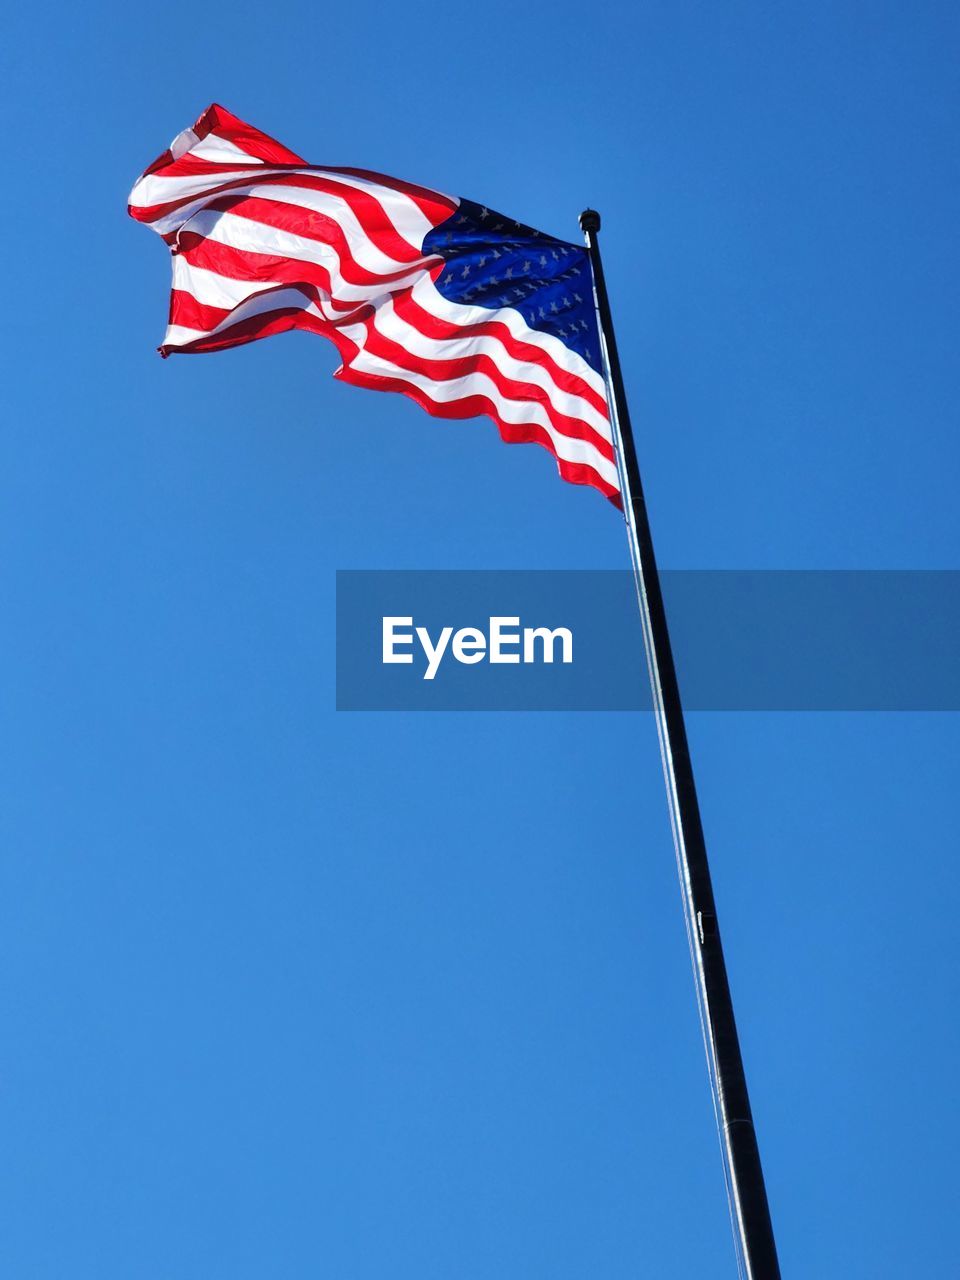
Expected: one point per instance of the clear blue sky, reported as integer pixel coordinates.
(293, 993)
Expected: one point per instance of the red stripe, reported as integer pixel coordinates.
(255, 142)
(318, 227)
(373, 216)
(436, 206)
(379, 344)
(163, 159)
(263, 325)
(432, 326)
(187, 311)
(215, 119)
(154, 212)
(264, 269)
(190, 166)
(258, 268)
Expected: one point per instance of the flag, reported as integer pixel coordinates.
(464, 310)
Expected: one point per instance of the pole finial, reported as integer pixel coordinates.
(589, 220)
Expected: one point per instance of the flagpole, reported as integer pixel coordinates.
(742, 1155)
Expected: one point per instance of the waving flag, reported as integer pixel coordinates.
(464, 310)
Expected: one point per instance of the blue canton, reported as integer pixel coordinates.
(493, 261)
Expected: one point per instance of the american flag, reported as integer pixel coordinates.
(462, 309)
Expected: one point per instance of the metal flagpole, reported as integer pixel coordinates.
(748, 1192)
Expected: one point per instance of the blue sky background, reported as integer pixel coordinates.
(293, 993)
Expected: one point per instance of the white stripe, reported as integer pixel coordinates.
(364, 250)
(407, 217)
(460, 313)
(277, 299)
(158, 188)
(222, 151)
(394, 213)
(182, 143)
(213, 289)
(256, 237)
(179, 335)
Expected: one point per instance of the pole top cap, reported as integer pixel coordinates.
(589, 220)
